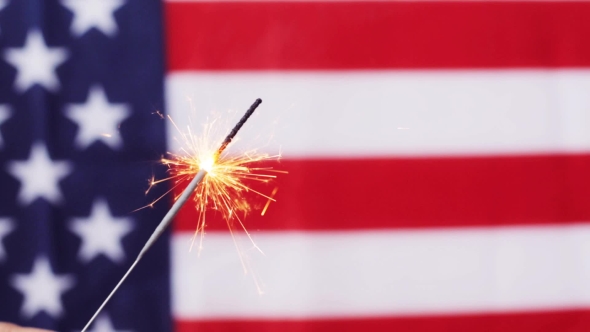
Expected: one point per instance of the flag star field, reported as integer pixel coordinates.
(80, 81)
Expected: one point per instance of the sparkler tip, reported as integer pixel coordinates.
(237, 127)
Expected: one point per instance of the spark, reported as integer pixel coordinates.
(230, 178)
(158, 113)
(272, 195)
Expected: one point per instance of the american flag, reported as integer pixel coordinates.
(439, 174)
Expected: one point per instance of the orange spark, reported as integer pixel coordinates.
(227, 182)
(272, 195)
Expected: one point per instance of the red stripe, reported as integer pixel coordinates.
(566, 321)
(413, 193)
(376, 35)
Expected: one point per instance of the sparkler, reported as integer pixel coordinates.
(214, 189)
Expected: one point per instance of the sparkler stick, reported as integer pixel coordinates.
(192, 186)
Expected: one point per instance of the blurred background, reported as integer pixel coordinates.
(437, 151)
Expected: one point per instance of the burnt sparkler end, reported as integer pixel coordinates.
(237, 128)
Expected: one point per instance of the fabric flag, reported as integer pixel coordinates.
(437, 156)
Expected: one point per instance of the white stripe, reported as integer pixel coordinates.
(385, 273)
(360, 113)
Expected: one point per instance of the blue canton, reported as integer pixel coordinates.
(81, 83)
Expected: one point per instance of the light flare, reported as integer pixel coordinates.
(207, 164)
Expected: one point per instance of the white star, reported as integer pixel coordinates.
(6, 226)
(4, 115)
(101, 233)
(90, 14)
(98, 119)
(39, 175)
(3, 4)
(42, 289)
(104, 324)
(35, 62)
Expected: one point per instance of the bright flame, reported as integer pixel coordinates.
(207, 164)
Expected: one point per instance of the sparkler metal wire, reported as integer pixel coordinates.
(186, 194)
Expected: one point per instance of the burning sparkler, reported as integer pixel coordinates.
(217, 183)
(228, 176)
